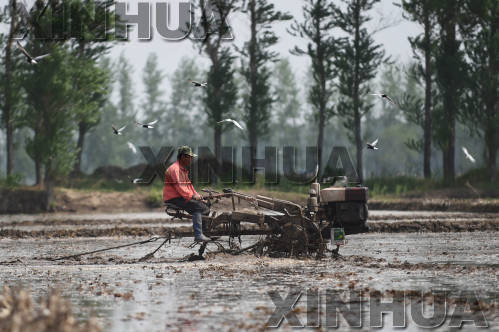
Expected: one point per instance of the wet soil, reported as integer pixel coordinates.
(225, 292)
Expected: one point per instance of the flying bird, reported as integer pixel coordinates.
(232, 121)
(372, 146)
(468, 156)
(132, 147)
(198, 84)
(146, 125)
(382, 95)
(29, 58)
(118, 131)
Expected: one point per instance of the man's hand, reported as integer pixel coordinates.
(197, 197)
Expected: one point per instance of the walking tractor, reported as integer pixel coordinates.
(288, 228)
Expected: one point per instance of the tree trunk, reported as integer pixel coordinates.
(320, 139)
(490, 142)
(82, 130)
(38, 171)
(492, 126)
(358, 144)
(322, 121)
(7, 109)
(427, 104)
(10, 141)
(357, 111)
(450, 81)
(218, 151)
(49, 186)
(253, 135)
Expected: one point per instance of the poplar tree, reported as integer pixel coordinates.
(480, 28)
(322, 48)
(423, 13)
(256, 57)
(358, 63)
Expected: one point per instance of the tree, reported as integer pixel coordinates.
(49, 95)
(480, 30)
(125, 89)
(10, 86)
(91, 90)
(450, 79)
(256, 55)
(287, 108)
(322, 48)
(422, 12)
(103, 147)
(185, 105)
(153, 105)
(221, 97)
(93, 37)
(358, 63)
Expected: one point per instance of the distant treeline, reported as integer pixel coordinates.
(57, 114)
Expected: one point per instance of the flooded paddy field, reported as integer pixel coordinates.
(226, 292)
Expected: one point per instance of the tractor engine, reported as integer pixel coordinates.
(339, 206)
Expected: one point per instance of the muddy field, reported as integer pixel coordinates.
(407, 253)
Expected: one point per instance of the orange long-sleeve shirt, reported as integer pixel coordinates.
(177, 183)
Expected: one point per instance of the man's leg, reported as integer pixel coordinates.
(197, 224)
(196, 208)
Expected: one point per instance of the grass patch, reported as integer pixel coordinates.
(399, 185)
(11, 181)
(154, 198)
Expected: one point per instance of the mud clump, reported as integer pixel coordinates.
(436, 204)
(18, 312)
(435, 226)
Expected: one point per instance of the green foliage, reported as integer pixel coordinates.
(153, 105)
(287, 108)
(221, 93)
(398, 185)
(11, 181)
(154, 198)
(480, 29)
(256, 55)
(322, 49)
(357, 64)
(184, 107)
(49, 95)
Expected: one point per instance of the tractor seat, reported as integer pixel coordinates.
(175, 211)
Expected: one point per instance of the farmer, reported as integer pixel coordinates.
(179, 191)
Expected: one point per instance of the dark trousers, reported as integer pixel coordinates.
(190, 206)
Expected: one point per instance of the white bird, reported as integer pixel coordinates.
(372, 146)
(135, 181)
(118, 131)
(468, 156)
(132, 147)
(382, 95)
(232, 121)
(199, 84)
(30, 59)
(146, 125)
